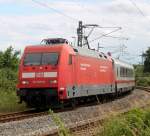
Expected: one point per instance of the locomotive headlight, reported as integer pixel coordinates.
(25, 82)
(53, 81)
(62, 88)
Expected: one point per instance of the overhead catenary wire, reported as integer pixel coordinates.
(43, 4)
(135, 5)
(117, 37)
(55, 10)
(138, 9)
(103, 35)
(92, 26)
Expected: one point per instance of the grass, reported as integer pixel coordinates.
(8, 102)
(62, 130)
(133, 123)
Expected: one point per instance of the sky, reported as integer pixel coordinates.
(25, 22)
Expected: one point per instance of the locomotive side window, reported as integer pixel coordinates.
(105, 57)
(76, 50)
(49, 58)
(32, 59)
(100, 55)
(70, 60)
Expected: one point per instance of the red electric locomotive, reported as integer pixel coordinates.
(57, 72)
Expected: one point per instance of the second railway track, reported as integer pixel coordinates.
(143, 88)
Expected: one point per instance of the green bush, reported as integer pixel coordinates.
(8, 79)
(9, 102)
(134, 123)
(143, 81)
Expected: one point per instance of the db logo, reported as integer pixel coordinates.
(39, 74)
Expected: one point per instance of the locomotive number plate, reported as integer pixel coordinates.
(39, 74)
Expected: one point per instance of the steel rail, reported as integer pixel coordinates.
(143, 88)
(15, 116)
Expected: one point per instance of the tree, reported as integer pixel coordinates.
(9, 61)
(9, 58)
(146, 55)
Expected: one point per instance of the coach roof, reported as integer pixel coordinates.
(122, 63)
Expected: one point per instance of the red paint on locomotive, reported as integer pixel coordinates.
(77, 73)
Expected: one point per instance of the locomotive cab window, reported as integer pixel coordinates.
(34, 59)
(49, 58)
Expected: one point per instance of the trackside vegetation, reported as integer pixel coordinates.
(142, 72)
(142, 78)
(62, 130)
(133, 123)
(9, 60)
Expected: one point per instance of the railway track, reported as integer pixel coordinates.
(15, 116)
(20, 115)
(79, 127)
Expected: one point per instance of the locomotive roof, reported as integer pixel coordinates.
(91, 53)
(78, 50)
(39, 48)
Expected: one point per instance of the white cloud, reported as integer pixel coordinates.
(21, 30)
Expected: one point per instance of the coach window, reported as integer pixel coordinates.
(117, 72)
(125, 72)
(120, 71)
(128, 72)
(70, 59)
(131, 73)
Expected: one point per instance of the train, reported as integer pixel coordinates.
(55, 72)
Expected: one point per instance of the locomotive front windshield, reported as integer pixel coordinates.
(34, 59)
